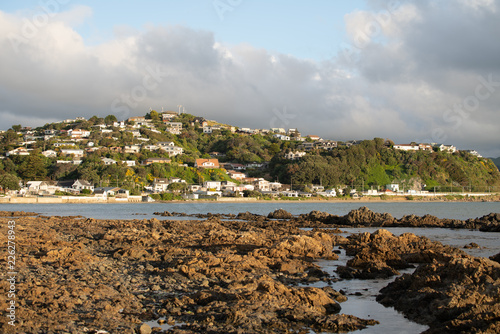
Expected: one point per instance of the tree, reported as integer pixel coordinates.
(9, 182)
(153, 114)
(110, 119)
(33, 167)
(16, 128)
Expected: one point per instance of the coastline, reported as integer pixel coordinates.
(138, 199)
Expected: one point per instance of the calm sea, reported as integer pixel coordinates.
(454, 210)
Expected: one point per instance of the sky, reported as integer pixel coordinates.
(408, 70)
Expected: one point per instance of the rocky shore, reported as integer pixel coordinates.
(240, 274)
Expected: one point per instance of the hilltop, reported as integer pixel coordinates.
(134, 154)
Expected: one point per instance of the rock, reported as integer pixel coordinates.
(144, 329)
(459, 295)
(280, 214)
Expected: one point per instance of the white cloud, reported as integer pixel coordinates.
(401, 84)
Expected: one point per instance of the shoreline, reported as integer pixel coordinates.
(138, 200)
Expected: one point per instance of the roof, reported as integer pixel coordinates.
(207, 163)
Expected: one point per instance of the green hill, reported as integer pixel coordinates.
(372, 164)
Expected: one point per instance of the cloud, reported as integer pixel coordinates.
(416, 62)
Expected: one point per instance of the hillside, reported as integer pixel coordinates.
(106, 152)
(373, 164)
(496, 161)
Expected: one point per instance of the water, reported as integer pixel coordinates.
(363, 305)
(453, 210)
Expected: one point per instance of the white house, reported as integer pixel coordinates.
(18, 151)
(78, 133)
(393, 187)
(160, 184)
(212, 185)
(295, 155)
(49, 153)
(131, 149)
(75, 152)
(108, 161)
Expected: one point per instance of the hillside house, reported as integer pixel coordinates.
(206, 163)
(150, 161)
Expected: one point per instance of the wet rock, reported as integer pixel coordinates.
(459, 295)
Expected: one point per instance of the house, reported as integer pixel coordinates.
(64, 144)
(108, 161)
(174, 127)
(393, 187)
(474, 152)
(129, 163)
(105, 191)
(407, 147)
(447, 148)
(281, 136)
(290, 193)
(313, 137)
(72, 152)
(131, 149)
(212, 185)
(236, 175)
(120, 124)
(160, 184)
(295, 155)
(328, 193)
(275, 186)
(78, 133)
(307, 146)
(50, 132)
(75, 185)
(207, 129)
(150, 147)
(150, 161)
(170, 148)
(327, 145)
(136, 119)
(168, 115)
(37, 187)
(49, 153)
(207, 163)
(18, 151)
(278, 130)
(262, 185)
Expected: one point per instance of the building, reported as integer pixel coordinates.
(106, 192)
(207, 163)
(49, 153)
(136, 119)
(160, 185)
(170, 148)
(294, 155)
(72, 152)
(174, 127)
(447, 148)
(75, 186)
(18, 151)
(167, 116)
(131, 149)
(108, 161)
(392, 187)
(212, 185)
(78, 133)
(150, 161)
